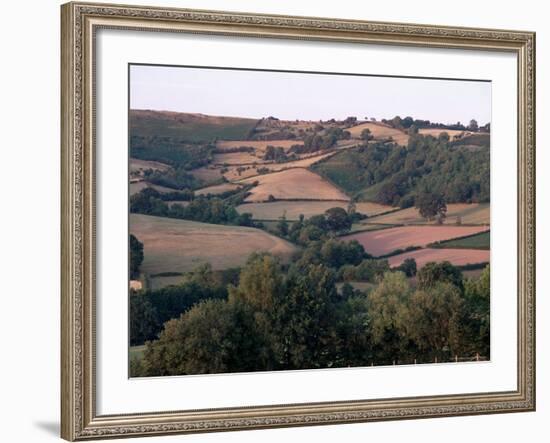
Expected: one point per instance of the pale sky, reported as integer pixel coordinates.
(290, 96)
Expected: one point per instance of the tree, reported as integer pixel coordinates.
(408, 267)
(337, 219)
(144, 322)
(433, 273)
(434, 320)
(473, 126)
(282, 225)
(431, 205)
(477, 294)
(366, 134)
(303, 320)
(388, 311)
(136, 256)
(215, 336)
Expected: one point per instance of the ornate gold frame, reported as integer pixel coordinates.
(79, 420)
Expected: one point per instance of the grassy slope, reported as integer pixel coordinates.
(191, 127)
(172, 245)
(477, 241)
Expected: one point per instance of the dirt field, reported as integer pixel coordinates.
(294, 184)
(172, 245)
(142, 165)
(471, 214)
(207, 174)
(237, 158)
(234, 176)
(217, 189)
(380, 131)
(259, 145)
(384, 241)
(435, 132)
(136, 187)
(457, 257)
(293, 209)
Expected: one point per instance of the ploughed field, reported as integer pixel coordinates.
(292, 209)
(173, 245)
(386, 241)
(466, 213)
(457, 257)
(293, 184)
(380, 131)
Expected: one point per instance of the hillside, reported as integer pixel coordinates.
(188, 127)
(390, 174)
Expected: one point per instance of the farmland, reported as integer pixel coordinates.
(190, 127)
(293, 184)
(476, 241)
(468, 214)
(258, 145)
(458, 257)
(435, 132)
(139, 186)
(380, 131)
(181, 245)
(217, 189)
(385, 241)
(293, 209)
(263, 227)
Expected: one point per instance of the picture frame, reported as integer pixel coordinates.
(80, 176)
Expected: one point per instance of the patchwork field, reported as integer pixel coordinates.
(217, 189)
(187, 126)
(237, 158)
(380, 131)
(470, 214)
(207, 174)
(436, 131)
(173, 245)
(457, 257)
(385, 241)
(137, 165)
(293, 184)
(138, 186)
(477, 241)
(293, 209)
(258, 145)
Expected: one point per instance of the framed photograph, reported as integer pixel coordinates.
(282, 221)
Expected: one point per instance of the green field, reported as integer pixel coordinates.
(477, 241)
(188, 127)
(344, 169)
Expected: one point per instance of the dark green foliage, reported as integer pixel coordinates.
(366, 134)
(136, 256)
(206, 209)
(278, 319)
(277, 154)
(331, 253)
(188, 127)
(149, 310)
(368, 270)
(175, 152)
(431, 205)
(433, 273)
(408, 267)
(390, 174)
(178, 179)
(338, 220)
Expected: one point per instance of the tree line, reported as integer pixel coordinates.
(273, 317)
